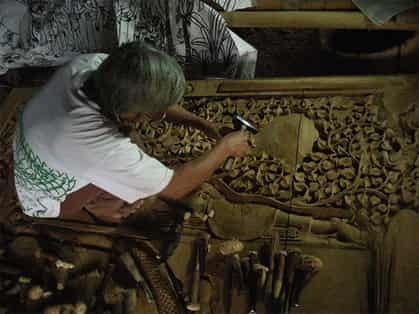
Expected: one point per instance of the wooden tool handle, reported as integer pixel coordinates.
(229, 163)
(230, 160)
(194, 305)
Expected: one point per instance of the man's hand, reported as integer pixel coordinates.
(236, 143)
(189, 176)
(211, 129)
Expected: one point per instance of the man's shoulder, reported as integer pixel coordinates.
(62, 79)
(89, 61)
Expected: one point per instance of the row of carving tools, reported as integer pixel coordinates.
(274, 281)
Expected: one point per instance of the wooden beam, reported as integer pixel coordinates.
(310, 83)
(304, 5)
(311, 19)
(307, 86)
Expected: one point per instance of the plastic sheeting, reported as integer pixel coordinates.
(382, 11)
(49, 33)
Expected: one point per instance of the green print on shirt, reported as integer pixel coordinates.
(34, 176)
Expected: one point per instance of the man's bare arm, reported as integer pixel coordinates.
(191, 175)
(180, 115)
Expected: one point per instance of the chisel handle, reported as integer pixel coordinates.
(229, 163)
(194, 305)
(230, 160)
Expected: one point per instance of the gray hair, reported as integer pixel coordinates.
(136, 78)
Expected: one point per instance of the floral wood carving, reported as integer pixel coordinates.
(357, 163)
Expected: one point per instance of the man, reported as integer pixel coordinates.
(69, 146)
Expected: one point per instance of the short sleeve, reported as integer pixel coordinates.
(129, 173)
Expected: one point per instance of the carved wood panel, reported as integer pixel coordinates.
(358, 163)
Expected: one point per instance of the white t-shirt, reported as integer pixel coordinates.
(63, 143)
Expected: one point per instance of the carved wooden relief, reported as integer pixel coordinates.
(351, 159)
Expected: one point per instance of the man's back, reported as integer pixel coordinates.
(63, 142)
(42, 142)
